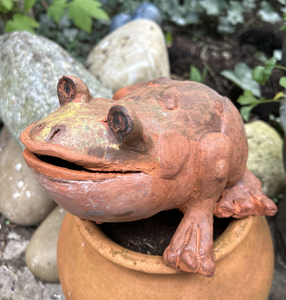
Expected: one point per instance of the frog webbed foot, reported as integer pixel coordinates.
(191, 248)
(245, 199)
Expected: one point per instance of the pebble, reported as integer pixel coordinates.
(22, 285)
(14, 249)
(265, 157)
(22, 199)
(41, 254)
(31, 66)
(133, 53)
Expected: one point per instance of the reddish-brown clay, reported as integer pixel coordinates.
(91, 266)
(165, 144)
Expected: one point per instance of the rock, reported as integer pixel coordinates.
(22, 200)
(133, 53)
(41, 254)
(31, 66)
(14, 249)
(265, 156)
(8, 279)
(147, 11)
(118, 21)
(23, 286)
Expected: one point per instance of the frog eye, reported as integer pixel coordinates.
(72, 89)
(125, 124)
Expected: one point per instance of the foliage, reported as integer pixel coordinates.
(19, 20)
(196, 75)
(242, 76)
(260, 75)
(223, 14)
(82, 12)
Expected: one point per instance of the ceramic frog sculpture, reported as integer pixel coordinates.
(158, 145)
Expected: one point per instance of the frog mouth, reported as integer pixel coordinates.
(58, 168)
(57, 162)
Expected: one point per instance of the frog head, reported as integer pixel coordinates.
(101, 159)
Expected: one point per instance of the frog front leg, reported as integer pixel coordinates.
(191, 248)
(245, 199)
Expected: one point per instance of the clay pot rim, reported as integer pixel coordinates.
(233, 235)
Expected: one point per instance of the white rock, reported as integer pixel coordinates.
(265, 156)
(22, 200)
(133, 53)
(14, 249)
(41, 254)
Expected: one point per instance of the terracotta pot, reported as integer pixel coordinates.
(91, 266)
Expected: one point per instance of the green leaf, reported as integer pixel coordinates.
(258, 74)
(195, 74)
(234, 13)
(268, 14)
(247, 98)
(57, 10)
(245, 112)
(262, 74)
(242, 77)
(82, 12)
(282, 81)
(224, 26)
(29, 4)
(6, 4)
(21, 22)
(213, 7)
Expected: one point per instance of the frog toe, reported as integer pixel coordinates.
(171, 257)
(188, 262)
(206, 266)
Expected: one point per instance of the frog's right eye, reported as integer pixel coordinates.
(72, 89)
(125, 125)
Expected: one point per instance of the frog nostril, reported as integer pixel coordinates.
(57, 132)
(37, 129)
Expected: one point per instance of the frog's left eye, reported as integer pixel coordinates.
(125, 124)
(72, 89)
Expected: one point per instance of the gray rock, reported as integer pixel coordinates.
(265, 157)
(133, 53)
(26, 287)
(53, 291)
(23, 286)
(31, 66)
(14, 249)
(41, 254)
(22, 200)
(7, 282)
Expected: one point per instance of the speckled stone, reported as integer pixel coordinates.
(31, 66)
(133, 53)
(22, 199)
(265, 156)
(41, 254)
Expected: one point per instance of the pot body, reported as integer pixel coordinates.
(91, 266)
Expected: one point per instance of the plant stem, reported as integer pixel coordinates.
(45, 4)
(280, 67)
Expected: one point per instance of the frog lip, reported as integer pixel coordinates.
(57, 162)
(50, 166)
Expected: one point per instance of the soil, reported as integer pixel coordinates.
(217, 54)
(153, 235)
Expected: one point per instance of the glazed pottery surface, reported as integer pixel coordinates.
(91, 266)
